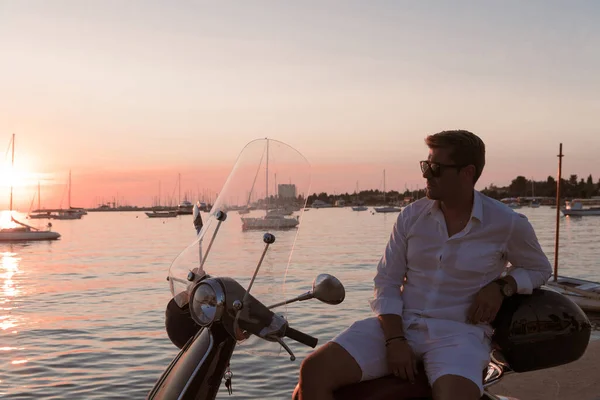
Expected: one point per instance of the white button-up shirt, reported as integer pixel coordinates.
(443, 274)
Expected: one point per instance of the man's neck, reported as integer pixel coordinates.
(459, 206)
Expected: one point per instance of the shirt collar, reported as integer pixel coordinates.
(476, 212)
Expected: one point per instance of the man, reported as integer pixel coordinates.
(439, 284)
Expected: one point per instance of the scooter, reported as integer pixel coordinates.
(210, 316)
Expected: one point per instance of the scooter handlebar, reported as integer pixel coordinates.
(301, 337)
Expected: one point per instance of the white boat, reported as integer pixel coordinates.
(534, 203)
(576, 208)
(280, 211)
(70, 212)
(67, 214)
(23, 233)
(18, 231)
(320, 204)
(185, 208)
(511, 202)
(585, 294)
(359, 206)
(162, 214)
(387, 209)
(40, 215)
(271, 220)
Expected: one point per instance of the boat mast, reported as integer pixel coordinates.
(560, 156)
(11, 173)
(254, 182)
(267, 179)
(39, 196)
(384, 186)
(179, 186)
(69, 189)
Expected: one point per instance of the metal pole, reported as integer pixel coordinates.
(560, 156)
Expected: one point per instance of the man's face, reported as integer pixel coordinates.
(443, 180)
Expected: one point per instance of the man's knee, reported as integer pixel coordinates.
(456, 387)
(331, 366)
(314, 365)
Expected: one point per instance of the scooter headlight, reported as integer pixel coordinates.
(207, 302)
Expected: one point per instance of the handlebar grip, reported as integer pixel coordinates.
(301, 337)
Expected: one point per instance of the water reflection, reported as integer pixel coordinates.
(9, 268)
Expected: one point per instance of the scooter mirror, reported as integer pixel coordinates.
(328, 289)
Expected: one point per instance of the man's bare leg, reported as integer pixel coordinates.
(454, 387)
(327, 369)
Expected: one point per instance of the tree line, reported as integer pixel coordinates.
(573, 187)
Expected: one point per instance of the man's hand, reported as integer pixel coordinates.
(486, 305)
(401, 359)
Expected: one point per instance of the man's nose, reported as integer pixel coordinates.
(427, 174)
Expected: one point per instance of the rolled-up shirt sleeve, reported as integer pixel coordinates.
(390, 272)
(530, 266)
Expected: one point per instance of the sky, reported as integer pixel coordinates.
(127, 95)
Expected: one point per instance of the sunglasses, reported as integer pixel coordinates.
(436, 169)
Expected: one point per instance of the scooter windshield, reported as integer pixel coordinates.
(265, 193)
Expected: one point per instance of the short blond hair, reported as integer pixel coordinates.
(466, 148)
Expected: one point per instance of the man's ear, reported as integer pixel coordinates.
(469, 170)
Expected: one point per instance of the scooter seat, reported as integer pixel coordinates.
(388, 388)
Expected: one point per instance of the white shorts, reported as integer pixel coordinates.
(465, 354)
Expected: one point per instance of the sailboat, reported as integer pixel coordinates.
(386, 209)
(184, 207)
(39, 213)
(19, 231)
(246, 209)
(358, 207)
(158, 213)
(534, 203)
(270, 220)
(69, 213)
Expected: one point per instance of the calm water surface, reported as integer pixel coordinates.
(83, 317)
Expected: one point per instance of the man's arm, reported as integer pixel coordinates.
(388, 304)
(530, 266)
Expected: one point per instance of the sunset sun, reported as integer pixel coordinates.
(15, 177)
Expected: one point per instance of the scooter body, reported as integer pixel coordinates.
(197, 371)
(210, 315)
